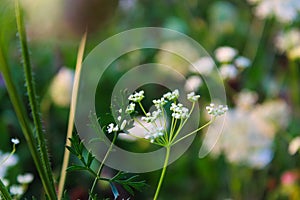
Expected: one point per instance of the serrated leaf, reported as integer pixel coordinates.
(114, 190)
(128, 189)
(72, 150)
(76, 168)
(90, 159)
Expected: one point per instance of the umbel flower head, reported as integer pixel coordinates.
(162, 125)
(216, 110)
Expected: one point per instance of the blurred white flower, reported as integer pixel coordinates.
(246, 99)
(193, 83)
(294, 145)
(289, 42)
(15, 141)
(228, 71)
(202, 66)
(6, 161)
(25, 178)
(242, 62)
(5, 182)
(284, 11)
(225, 54)
(248, 134)
(16, 190)
(61, 87)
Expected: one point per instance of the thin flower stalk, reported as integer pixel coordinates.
(102, 165)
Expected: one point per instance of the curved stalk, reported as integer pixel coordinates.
(162, 175)
(193, 132)
(102, 165)
(72, 116)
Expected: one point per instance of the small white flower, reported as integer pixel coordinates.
(225, 54)
(294, 145)
(172, 96)
(130, 108)
(16, 190)
(216, 111)
(137, 96)
(120, 110)
(112, 128)
(150, 118)
(228, 71)
(159, 102)
(242, 62)
(192, 97)
(154, 133)
(119, 118)
(25, 178)
(193, 83)
(15, 141)
(179, 112)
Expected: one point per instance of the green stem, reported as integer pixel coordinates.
(102, 165)
(4, 191)
(11, 153)
(141, 106)
(193, 132)
(23, 119)
(162, 175)
(182, 124)
(33, 101)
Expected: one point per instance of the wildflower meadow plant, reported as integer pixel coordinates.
(162, 127)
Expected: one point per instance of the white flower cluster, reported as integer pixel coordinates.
(152, 117)
(285, 11)
(248, 133)
(112, 128)
(137, 96)
(179, 111)
(154, 133)
(172, 96)
(231, 62)
(159, 102)
(130, 108)
(155, 123)
(8, 160)
(193, 97)
(23, 180)
(216, 110)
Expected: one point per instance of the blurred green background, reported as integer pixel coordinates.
(263, 97)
